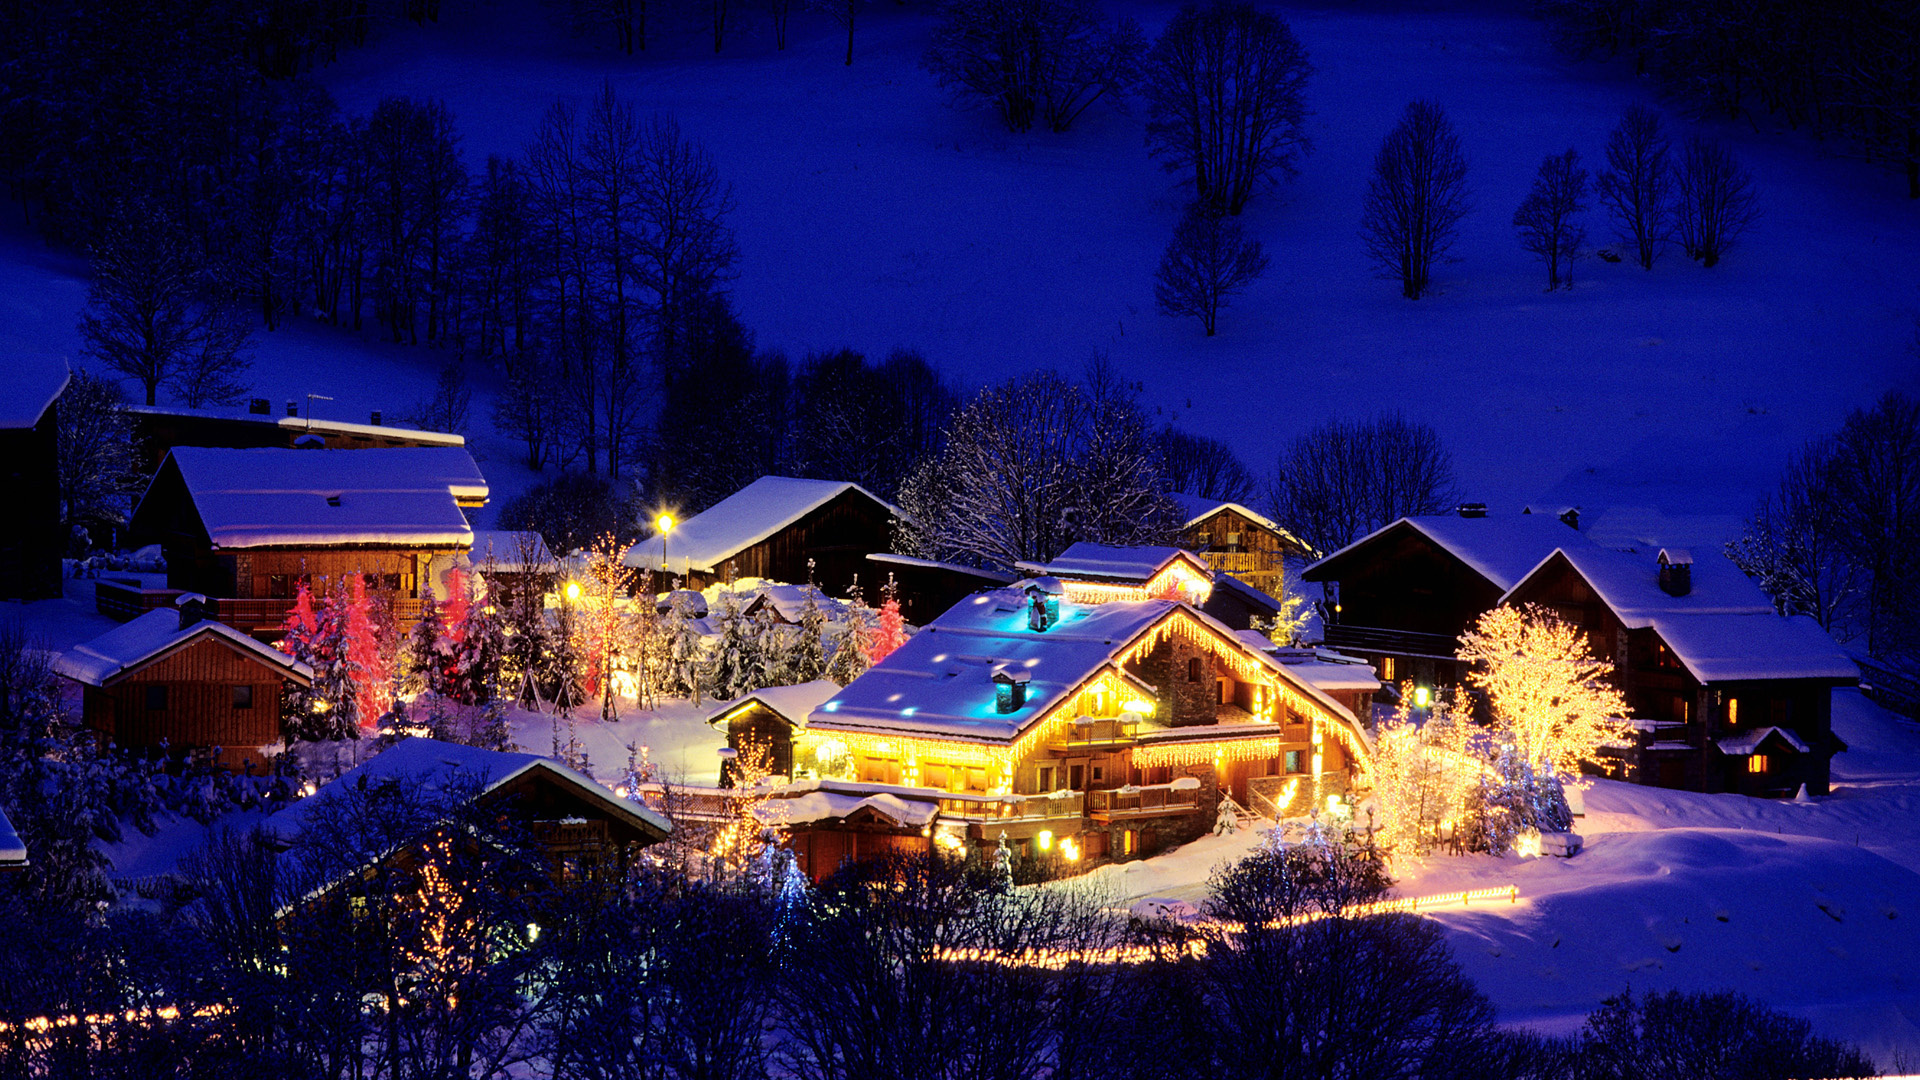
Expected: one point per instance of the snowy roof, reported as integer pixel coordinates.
(1254, 639)
(791, 703)
(790, 601)
(508, 550)
(1630, 585)
(29, 382)
(308, 423)
(13, 850)
(1743, 745)
(385, 495)
(1332, 677)
(889, 557)
(430, 765)
(708, 539)
(1112, 562)
(1736, 648)
(1256, 597)
(156, 634)
(833, 805)
(1197, 510)
(1502, 549)
(940, 682)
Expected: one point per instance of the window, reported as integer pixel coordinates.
(279, 586)
(1386, 669)
(1046, 778)
(1757, 763)
(157, 697)
(1193, 669)
(243, 697)
(1129, 842)
(1099, 774)
(1293, 761)
(1733, 711)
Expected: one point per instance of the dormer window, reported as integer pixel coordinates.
(1009, 687)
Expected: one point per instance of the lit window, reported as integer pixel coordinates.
(1293, 761)
(1127, 841)
(1733, 711)
(1757, 763)
(1386, 668)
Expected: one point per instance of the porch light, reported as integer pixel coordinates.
(1422, 696)
(573, 590)
(1045, 840)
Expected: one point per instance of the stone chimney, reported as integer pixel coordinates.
(1009, 687)
(1676, 571)
(193, 609)
(1471, 510)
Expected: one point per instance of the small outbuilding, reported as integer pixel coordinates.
(180, 680)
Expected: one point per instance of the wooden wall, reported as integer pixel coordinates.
(32, 542)
(199, 711)
(837, 537)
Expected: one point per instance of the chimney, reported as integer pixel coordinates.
(193, 609)
(1471, 510)
(293, 408)
(376, 418)
(1571, 515)
(260, 407)
(1676, 571)
(1043, 603)
(1009, 687)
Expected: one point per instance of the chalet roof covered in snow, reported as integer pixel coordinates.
(1720, 648)
(940, 682)
(307, 423)
(1629, 584)
(1112, 562)
(1500, 548)
(756, 512)
(889, 558)
(791, 703)
(823, 805)
(407, 495)
(1196, 510)
(510, 551)
(431, 765)
(790, 601)
(1744, 745)
(13, 850)
(29, 382)
(136, 644)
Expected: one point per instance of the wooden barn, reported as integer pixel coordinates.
(160, 428)
(1248, 546)
(243, 527)
(768, 718)
(1725, 695)
(33, 541)
(927, 588)
(1402, 595)
(179, 679)
(781, 529)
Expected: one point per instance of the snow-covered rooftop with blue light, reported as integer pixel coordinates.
(1112, 562)
(281, 497)
(708, 539)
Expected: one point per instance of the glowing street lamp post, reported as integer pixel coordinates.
(665, 524)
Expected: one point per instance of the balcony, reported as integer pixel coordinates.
(1011, 809)
(1374, 639)
(1089, 734)
(1151, 800)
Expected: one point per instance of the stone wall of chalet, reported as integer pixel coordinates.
(1189, 693)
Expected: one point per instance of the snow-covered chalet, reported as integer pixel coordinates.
(1070, 717)
(243, 527)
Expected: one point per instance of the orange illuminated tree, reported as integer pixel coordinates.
(1551, 698)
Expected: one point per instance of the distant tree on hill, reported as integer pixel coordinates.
(99, 455)
(1208, 260)
(1708, 1034)
(1549, 217)
(1416, 197)
(872, 424)
(1637, 184)
(1715, 200)
(1226, 92)
(1051, 58)
(1204, 468)
(844, 12)
(1345, 479)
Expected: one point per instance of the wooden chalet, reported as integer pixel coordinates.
(161, 428)
(1248, 546)
(585, 831)
(1402, 595)
(778, 528)
(768, 718)
(1725, 694)
(178, 680)
(1101, 730)
(243, 527)
(33, 541)
(926, 587)
(1097, 573)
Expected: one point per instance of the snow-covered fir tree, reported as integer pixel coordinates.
(850, 651)
(807, 658)
(773, 649)
(736, 649)
(890, 630)
(426, 663)
(686, 649)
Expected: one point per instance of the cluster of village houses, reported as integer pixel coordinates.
(1100, 706)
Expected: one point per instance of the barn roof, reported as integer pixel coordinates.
(432, 765)
(157, 634)
(1197, 510)
(1500, 548)
(756, 512)
(1113, 562)
(888, 558)
(379, 496)
(306, 423)
(30, 382)
(791, 703)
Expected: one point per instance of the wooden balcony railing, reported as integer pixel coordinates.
(1154, 800)
(124, 600)
(1376, 639)
(1012, 808)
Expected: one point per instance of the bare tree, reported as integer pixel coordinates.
(1416, 197)
(1226, 91)
(1208, 260)
(1345, 479)
(99, 454)
(144, 316)
(1548, 218)
(1876, 485)
(450, 404)
(1637, 186)
(1794, 548)
(1714, 201)
(1204, 468)
(210, 372)
(1050, 57)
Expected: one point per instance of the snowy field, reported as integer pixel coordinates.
(872, 213)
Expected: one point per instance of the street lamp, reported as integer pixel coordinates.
(665, 524)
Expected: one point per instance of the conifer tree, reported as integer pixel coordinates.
(684, 646)
(734, 651)
(364, 662)
(891, 631)
(771, 648)
(850, 653)
(807, 659)
(426, 664)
